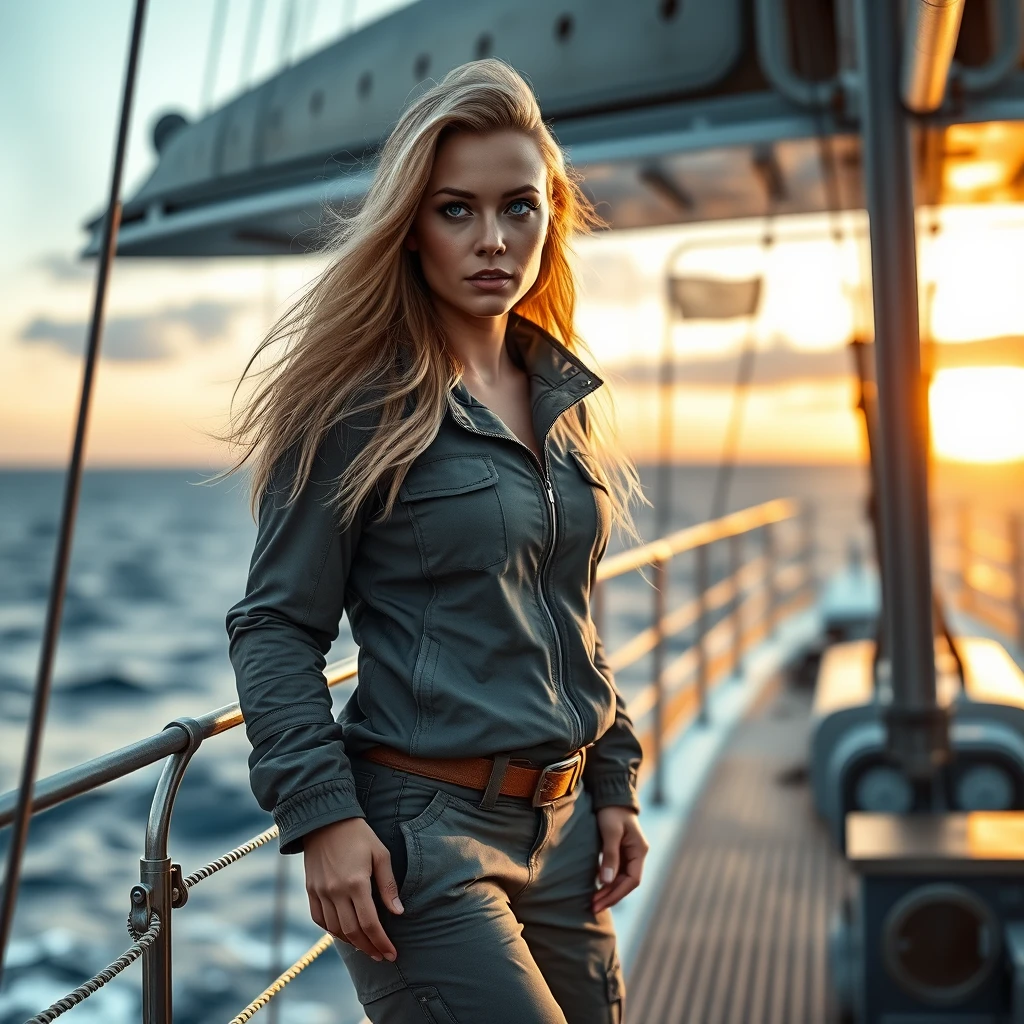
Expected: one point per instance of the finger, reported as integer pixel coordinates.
(331, 922)
(611, 895)
(316, 912)
(353, 931)
(369, 922)
(610, 846)
(386, 884)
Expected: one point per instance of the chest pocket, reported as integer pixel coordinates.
(599, 487)
(456, 514)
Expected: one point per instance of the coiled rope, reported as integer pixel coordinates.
(97, 981)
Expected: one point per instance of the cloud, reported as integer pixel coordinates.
(61, 267)
(136, 339)
(775, 365)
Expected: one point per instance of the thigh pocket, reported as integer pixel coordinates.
(615, 988)
(433, 1006)
(456, 514)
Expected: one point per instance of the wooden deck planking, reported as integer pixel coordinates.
(740, 932)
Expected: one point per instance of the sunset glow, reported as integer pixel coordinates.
(977, 413)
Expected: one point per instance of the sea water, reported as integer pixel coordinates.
(158, 559)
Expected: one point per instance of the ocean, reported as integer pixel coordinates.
(158, 560)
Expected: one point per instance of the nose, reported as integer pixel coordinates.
(490, 242)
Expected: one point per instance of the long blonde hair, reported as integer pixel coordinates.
(368, 307)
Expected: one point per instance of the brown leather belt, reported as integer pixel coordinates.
(541, 785)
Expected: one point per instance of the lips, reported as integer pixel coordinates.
(490, 275)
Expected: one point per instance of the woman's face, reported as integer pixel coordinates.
(481, 225)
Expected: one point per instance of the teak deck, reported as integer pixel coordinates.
(740, 934)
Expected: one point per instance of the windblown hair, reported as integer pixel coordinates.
(364, 337)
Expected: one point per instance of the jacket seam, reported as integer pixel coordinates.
(251, 722)
(319, 575)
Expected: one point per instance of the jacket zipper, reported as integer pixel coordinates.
(551, 616)
(546, 480)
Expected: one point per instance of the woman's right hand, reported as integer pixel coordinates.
(340, 859)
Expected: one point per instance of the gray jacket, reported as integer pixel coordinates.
(469, 604)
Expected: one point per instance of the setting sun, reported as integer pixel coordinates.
(977, 413)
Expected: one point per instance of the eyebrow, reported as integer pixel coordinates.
(462, 194)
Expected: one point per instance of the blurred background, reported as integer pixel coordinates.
(766, 387)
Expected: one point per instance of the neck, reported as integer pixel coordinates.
(478, 342)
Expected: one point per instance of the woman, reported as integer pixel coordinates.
(429, 456)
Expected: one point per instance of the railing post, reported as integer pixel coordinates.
(808, 541)
(963, 526)
(660, 586)
(736, 611)
(1017, 569)
(771, 589)
(598, 610)
(155, 874)
(702, 634)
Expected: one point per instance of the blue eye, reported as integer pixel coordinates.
(448, 207)
(528, 206)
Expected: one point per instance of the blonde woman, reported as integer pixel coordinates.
(430, 456)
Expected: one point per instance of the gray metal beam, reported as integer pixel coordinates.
(932, 30)
(917, 727)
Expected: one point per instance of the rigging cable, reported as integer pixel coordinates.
(62, 558)
(213, 53)
(741, 385)
(252, 38)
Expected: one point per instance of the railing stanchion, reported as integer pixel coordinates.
(155, 872)
(658, 664)
(1017, 569)
(963, 525)
(808, 541)
(770, 582)
(736, 604)
(702, 634)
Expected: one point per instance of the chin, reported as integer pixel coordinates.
(488, 305)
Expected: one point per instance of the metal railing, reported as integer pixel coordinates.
(980, 558)
(725, 617)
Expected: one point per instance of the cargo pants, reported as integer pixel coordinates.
(498, 926)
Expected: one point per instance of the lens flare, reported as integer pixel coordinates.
(977, 413)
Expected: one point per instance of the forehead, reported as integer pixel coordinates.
(487, 164)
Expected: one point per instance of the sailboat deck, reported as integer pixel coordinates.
(740, 932)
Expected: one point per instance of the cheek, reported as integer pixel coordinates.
(439, 255)
(533, 246)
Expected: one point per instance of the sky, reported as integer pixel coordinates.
(178, 332)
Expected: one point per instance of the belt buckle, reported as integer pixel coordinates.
(576, 760)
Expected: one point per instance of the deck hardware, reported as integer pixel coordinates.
(141, 912)
(179, 890)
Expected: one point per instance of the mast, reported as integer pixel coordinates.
(918, 729)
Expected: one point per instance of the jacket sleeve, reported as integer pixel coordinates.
(613, 761)
(279, 634)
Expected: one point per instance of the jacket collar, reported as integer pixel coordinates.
(558, 378)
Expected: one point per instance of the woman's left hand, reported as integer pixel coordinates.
(623, 849)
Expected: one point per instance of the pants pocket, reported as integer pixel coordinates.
(414, 860)
(615, 989)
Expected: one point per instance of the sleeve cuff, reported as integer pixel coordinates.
(311, 808)
(616, 789)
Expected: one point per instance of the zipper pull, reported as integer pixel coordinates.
(551, 493)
